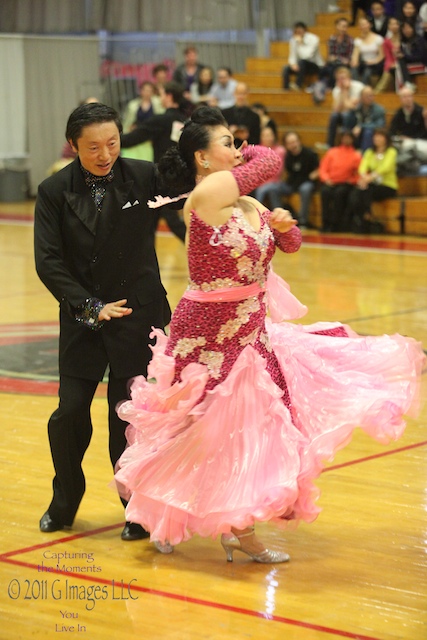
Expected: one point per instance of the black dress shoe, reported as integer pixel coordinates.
(133, 531)
(47, 525)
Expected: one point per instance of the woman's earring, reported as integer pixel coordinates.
(206, 164)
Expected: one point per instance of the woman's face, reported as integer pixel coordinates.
(146, 91)
(205, 76)
(221, 153)
(364, 25)
(409, 10)
(379, 141)
(267, 137)
(393, 25)
(407, 30)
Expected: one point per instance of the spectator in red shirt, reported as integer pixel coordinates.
(338, 173)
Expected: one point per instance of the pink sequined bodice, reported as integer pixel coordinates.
(214, 333)
(231, 255)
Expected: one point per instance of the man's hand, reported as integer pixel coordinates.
(114, 310)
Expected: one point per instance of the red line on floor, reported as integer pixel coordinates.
(198, 601)
(375, 456)
(372, 243)
(70, 538)
(30, 387)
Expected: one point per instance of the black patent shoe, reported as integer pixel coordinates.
(134, 531)
(47, 525)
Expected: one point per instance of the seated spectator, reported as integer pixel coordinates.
(304, 57)
(409, 13)
(268, 139)
(368, 55)
(367, 117)
(340, 51)
(302, 170)
(345, 97)
(338, 173)
(393, 70)
(160, 73)
(200, 91)
(408, 131)
(413, 46)
(378, 18)
(264, 116)
(224, 88)
(377, 181)
(188, 71)
(243, 122)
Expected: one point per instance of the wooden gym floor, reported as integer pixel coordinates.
(358, 572)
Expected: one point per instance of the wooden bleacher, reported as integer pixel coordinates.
(296, 111)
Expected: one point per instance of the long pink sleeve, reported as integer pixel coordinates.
(261, 164)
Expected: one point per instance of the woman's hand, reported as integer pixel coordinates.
(114, 310)
(281, 220)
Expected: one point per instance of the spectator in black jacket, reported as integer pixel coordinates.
(302, 170)
(163, 130)
(188, 72)
(243, 122)
(378, 18)
(409, 133)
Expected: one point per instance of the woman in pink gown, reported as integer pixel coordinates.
(239, 411)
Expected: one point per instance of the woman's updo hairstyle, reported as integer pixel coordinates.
(177, 167)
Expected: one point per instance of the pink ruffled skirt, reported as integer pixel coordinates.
(202, 461)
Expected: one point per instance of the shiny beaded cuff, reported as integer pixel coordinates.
(88, 312)
(288, 242)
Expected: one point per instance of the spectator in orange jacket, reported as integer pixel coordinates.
(338, 173)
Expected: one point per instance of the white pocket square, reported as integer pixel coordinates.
(129, 204)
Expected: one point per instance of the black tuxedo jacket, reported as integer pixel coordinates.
(80, 255)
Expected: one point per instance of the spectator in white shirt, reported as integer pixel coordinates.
(304, 57)
(222, 91)
(368, 54)
(346, 96)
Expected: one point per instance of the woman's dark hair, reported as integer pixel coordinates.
(87, 114)
(204, 89)
(383, 132)
(411, 25)
(177, 167)
(348, 133)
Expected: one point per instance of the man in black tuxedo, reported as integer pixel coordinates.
(94, 251)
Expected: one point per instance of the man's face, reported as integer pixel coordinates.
(367, 96)
(241, 95)
(377, 9)
(342, 27)
(98, 147)
(222, 77)
(293, 144)
(407, 98)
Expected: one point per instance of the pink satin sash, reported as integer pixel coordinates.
(282, 304)
(225, 294)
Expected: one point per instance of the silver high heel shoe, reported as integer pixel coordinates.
(231, 543)
(163, 547)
